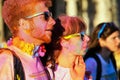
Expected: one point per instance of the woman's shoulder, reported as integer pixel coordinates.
(90, 60)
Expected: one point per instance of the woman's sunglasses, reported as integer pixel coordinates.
(74, 35)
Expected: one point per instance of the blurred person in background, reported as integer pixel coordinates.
(99, 59)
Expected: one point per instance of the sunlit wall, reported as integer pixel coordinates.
(1, 24)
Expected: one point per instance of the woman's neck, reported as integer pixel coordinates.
(105, 53)
(66, 60)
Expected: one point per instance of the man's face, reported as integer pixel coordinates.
(41, 23)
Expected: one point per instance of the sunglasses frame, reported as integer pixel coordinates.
(46, 14)
(76, 34)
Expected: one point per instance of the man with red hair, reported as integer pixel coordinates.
(30, 23)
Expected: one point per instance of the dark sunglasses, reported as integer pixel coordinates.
(82, 35)
(46, 15)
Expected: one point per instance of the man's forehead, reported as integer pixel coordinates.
(40, 7)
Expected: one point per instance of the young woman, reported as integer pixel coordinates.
(69, 43)
(99, 59)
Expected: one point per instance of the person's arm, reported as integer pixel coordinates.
(91, 66)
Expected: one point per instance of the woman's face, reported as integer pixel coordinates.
(78, 44)
(112, 42)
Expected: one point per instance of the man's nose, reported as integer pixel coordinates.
(51, 21)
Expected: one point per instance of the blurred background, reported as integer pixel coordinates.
(92, 11)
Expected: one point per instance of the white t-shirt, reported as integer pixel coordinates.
(61, 73)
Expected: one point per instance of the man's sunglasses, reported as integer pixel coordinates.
(46, 15)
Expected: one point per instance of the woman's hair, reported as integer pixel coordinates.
(72, 25)
(13, 10)
(103, 30)
(65, 25)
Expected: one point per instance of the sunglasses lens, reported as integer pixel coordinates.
(82, 35)
(47, 15)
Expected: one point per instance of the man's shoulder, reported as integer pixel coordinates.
(5, 51)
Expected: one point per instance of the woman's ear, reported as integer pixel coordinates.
(102, 42)
(24, 24)
(65, 44)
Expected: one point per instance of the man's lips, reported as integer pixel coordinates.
(48, 29)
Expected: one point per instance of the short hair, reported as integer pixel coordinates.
(72, 24)
(13, 10)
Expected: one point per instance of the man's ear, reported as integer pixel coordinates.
(102, 42)
(24, 24)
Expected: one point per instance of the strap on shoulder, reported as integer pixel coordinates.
(99, 68)
(18, 68)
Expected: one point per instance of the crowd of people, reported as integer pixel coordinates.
(43, 48)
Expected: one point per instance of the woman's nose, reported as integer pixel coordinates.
(86, 38)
